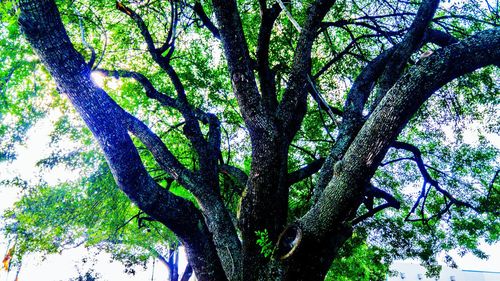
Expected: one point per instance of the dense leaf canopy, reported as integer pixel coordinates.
(166, 63)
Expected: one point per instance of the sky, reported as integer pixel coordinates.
(66, 265)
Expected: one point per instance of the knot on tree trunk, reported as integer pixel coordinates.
(288, 241)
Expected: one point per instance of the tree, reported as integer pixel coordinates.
(94, 213)
(88, 276)
(390, 66)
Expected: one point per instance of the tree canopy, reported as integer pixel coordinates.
(275, 140)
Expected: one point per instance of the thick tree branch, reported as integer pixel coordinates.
(205, 186)
(366, 80)
(207, 190)
(200, 12)
(240, 67)
(198, 9)
(169, 43)
(140, 24)
(374, 192)
(187, 273)
(439, 38)
(379, 193)
(352, 117)
(236, 173)
(266, 75)
(42, 25)
(161, 153)
(306, 171)
(341, 198)
(293, 105)
(192, 130)
(263, 186)
(410, 43)
(361, 89)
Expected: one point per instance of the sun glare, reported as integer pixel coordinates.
(102, 80)
(98, 78)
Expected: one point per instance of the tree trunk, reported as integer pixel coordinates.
(41, 23)
(306, 248)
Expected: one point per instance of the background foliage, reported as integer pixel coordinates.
(457, 132)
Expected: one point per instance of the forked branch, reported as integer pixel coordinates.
(417, 157)
(374, 192)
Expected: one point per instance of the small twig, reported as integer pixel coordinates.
(490, 188)
(370, 213)
(289, 15)
(415, 205)
(85, 43)
(129, 220)
(309, 153)
(396, 160)
(322, 104)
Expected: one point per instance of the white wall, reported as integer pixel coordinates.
(412, 271)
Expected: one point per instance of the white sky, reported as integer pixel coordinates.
(35, 148)
(66, 265)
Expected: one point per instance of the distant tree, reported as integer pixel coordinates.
(275, 160)
(88, 276)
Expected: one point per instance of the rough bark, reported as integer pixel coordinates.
(205, 183)
(342, 196)
(403, 50)
(263, 204)
(41, 23)
(210, 238)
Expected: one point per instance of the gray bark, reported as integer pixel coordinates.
(212, 246)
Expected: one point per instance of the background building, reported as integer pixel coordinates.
(409, 271)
